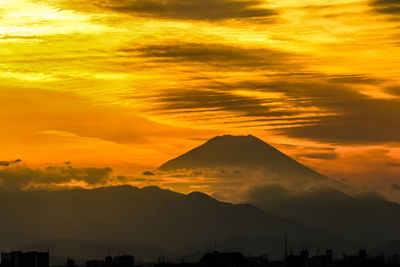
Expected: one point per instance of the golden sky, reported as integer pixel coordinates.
(129, 84)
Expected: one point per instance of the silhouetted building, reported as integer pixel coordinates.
(261, 261)
(362, 259)
(218, 259)
(120, 261)
(25, 259)
(95, 263)
(300, 260)
(322, 260)
(70, 263)
(394, 259)
(117, 261)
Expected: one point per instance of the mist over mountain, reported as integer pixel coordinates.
(150, 217)
(151, 221)
(241, 152)
(368, 220)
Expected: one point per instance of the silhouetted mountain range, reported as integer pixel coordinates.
(368, 220)
(241, 152)
(153, 220)
(150, 217)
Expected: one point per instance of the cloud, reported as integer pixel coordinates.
(6, 163)
(190, 10)
(325, 108)
(395, 186)
(21, 177)
(360, 121)
(355, 117)
(148, 173)
(217, 55)
(326, 156)
(389, 7)
(234, 183)
(282, 94)
(192, 100)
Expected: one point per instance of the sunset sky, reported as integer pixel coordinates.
(130, 84)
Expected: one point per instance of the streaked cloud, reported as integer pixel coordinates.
(189, 10)
(219, 56)
(128, 84)
(390, 7)
(326, 156)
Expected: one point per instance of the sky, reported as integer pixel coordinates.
(130, 84)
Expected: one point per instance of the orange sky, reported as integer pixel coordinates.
(130, 84)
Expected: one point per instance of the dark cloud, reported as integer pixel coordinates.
(218, 55)
(312, 105)
(345, 115)
(194, 100)
(190, 9)
(148, 173)
(326, 156)
(393, 90)
(357, 118)
(20, 177)
(6, 163)
(364, 121)
(390, 7)
(355, 79)
(395, 186)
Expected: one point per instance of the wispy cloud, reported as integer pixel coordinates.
(293, 99)
(190, 10)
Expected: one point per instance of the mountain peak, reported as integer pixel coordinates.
(228, 137)
(243, 151)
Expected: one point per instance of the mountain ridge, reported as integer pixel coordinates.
(133, 217)
(240, 152)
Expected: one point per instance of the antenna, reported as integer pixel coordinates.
(285, 244)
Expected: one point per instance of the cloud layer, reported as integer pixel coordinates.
(119, 83)
(293, 100)
(16, 178)
(190, 10)
(390, 7)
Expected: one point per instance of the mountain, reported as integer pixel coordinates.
(368, 219)
(150, 217)
(296, 191)
(241, 152)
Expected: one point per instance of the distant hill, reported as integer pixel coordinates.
(368, 220)
(150, 217)
(241, 152)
